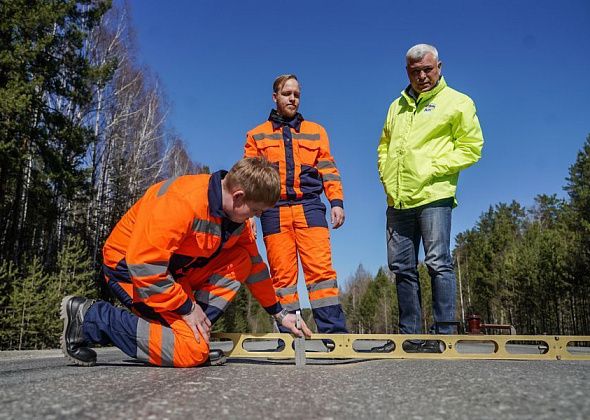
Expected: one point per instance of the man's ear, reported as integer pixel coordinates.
(239, 197)
(274, 97)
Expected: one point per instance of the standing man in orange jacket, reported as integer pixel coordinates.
(296, 226)
(176, 259)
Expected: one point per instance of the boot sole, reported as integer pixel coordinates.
(218, 362)
(64, 316)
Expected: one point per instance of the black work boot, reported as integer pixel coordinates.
(428, 346)
(73, 343)
(412, 347)
(216, 358)
(433, 346)
(388, 347)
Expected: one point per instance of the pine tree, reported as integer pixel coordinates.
(74, 276)
(234, 318)
(386, 313)
(45, 87)
(426, 296)
(578, 188)
(351, 298)
(25, 308)
(8, 280)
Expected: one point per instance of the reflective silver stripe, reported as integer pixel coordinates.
(256, 260)
(322, 285)
(206, 226)
(156, 288)
(167, 346)
(142, 270)
(305, 136)
(210, 299)
(326, 164)
(260, 276)
(291, 306)
(330, 177)
(224, 282)
(165, 187)
(320, 303)
(262, 136)
(239, 230)
(284, 291)
(142, 340)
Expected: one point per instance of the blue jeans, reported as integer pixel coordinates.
(430, 223)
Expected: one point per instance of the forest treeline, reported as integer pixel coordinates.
(83, 133)
(528, 267)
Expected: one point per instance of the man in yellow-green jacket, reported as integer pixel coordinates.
(431, 133)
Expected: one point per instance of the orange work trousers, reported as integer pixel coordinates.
(164, 339)
(299, 231)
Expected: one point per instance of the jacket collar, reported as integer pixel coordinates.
(278, 121)
(214, 194)
(424, 95)
(216, 205)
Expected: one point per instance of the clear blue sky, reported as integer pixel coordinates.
(526, 64)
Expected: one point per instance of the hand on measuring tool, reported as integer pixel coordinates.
(198, 323)
(290, 322)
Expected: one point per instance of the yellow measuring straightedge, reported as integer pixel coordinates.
(389, 346)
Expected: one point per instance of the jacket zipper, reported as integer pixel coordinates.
(417, 102)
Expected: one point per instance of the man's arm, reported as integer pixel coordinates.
(250, 148)
(332, 181)
(157, 234)
(468, 142)
(383, 147)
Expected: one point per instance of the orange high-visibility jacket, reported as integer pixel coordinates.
(177, 226)
(301, 151)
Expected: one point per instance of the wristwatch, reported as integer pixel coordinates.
(281, 315)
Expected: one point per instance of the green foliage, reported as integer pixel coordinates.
(25, 310)
(578, 184)
(8, 281)
(244, 314)
(32, 300)
(370, 303)
(45, 88)
(527, 267)
(486, 247)
(352, 297)
(426, 296)
(519, 268)
(74, 276)
(234, 318)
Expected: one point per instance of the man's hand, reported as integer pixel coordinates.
(253, 226)
(290, 322)
(198, 322)
(337, 217)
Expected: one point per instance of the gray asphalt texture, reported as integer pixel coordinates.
(43, 384)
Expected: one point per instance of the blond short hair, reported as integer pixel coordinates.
(281, 80)
(259, 180)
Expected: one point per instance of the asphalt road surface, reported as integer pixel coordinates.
(43, 384)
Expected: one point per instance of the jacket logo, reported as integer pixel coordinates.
(429, 107)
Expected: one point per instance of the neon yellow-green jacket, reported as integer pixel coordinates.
(424, 145)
